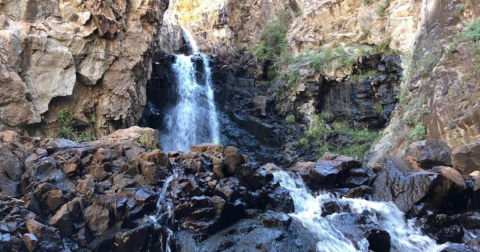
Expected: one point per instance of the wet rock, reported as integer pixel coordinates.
(453, 233)
(275, 219)
(379, 241)
(48, 238)
(429, 153)
(466, 158)
(152, 172)
(98, 218)
(325, 173)
(233, 159)
(391, 184)
(31, 241)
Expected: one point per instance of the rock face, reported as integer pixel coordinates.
(441, 93)
(92, 57)
(227, 26)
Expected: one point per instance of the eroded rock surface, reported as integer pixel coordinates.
(92, 57)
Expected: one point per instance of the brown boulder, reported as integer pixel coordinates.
(429, 153)
(98, 218)
(466, 158)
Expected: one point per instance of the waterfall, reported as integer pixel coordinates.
(308, 209)
(194, 118)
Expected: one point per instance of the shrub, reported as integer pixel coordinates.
(290, 118)
(472, 31)
(65, 123)
(418, 133)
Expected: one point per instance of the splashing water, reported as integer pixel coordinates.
(194, 118)
(308, 210)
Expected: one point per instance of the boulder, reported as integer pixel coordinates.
(98, 218)
(466, 158)
(429, 153)
(402, 188)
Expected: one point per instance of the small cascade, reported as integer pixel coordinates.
(194, 118)
(308, 211)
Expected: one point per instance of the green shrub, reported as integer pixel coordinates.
(65, 123)
(317, 128)
(472, 31)
(303, 141)
(290, 118)
(85, 137)
(418, 133)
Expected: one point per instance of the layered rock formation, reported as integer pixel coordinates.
(91, 57)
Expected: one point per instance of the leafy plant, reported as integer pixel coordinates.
(84, 137)
(65, 122)
(472, 31)
(418, 133)
(143, 140)
(290, 118)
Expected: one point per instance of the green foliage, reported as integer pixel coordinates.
(143, 140)
(290, 118)
(417, 134)
(382, 8)
(293, 79)
(317, 128)
(369, 74)
(472, 31)
(273, 45)
(379, 108)
(303, 141)
(65, 123)
(360, 139)
(84, 137)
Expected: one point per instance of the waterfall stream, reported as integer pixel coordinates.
(308, 209)
(194, 118)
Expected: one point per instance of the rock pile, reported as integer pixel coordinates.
(122, 193)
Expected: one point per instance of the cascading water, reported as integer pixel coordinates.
(308, 210)
(194, 118)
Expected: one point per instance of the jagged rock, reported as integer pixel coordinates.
(152, 172)
(62, 221)
(429, 153)
(10, 164)
(31, 241)
(379, 241)
(158, 157)
(55, 199)
(233, 159)
(393, 184)
(48, 238)
(466, 158)
(98, 218)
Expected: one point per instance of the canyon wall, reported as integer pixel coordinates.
(89, 58)
(438, 95)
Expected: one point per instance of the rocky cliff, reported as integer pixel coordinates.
(91, 58)
(437, 95)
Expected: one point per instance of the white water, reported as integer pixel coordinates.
(194, 118)
(308, 210)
